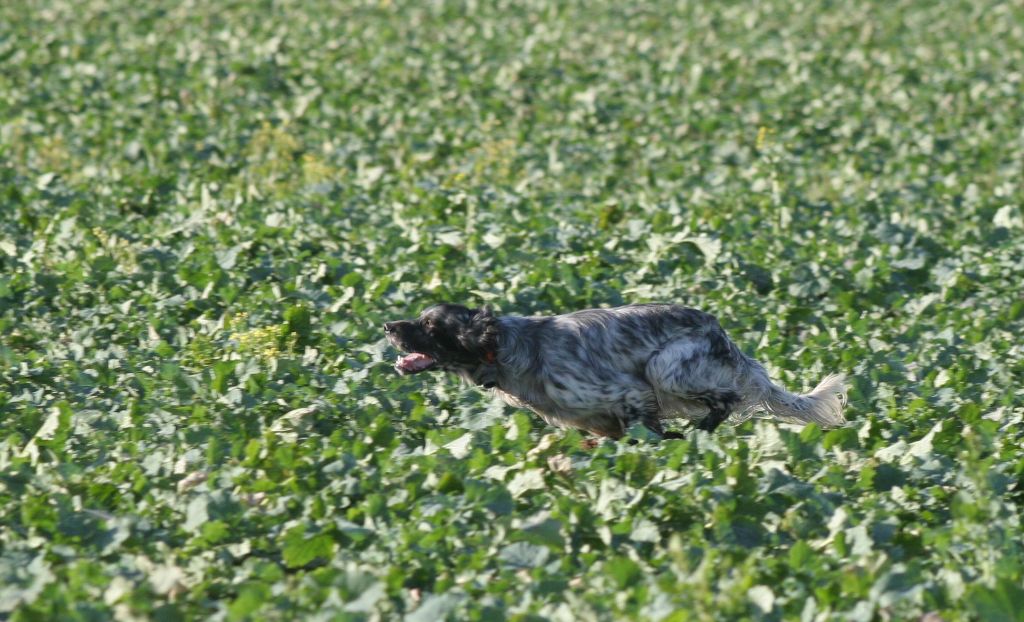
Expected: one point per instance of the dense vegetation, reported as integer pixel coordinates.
(209, 208)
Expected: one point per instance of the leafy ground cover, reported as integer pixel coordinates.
(208, 210)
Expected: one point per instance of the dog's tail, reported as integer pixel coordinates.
(823, 405)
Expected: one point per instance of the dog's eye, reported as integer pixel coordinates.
(428, 325)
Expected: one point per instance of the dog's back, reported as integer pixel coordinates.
(646, 362)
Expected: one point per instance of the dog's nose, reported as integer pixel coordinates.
(389, 327)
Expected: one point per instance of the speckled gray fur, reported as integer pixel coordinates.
(602, 370)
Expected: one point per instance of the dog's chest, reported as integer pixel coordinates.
(519, 400)
(521, 392)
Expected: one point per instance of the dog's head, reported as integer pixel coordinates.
(445, 336)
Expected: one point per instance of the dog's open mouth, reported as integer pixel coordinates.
(415, 363)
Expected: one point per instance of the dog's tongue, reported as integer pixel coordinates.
(412, 363)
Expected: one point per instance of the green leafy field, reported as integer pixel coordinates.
(207, 210)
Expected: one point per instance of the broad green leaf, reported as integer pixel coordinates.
(299, 549)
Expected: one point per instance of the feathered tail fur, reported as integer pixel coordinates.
(823, 405)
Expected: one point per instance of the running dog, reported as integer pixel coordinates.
(602, 370)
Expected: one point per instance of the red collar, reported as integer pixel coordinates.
(490, 358)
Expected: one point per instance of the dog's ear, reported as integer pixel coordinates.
(480, 335)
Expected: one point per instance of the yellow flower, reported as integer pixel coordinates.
(762, 137)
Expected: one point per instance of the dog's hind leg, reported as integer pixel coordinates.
(693, 369)
(720, 405)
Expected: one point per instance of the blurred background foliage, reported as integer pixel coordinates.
(208, 210)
